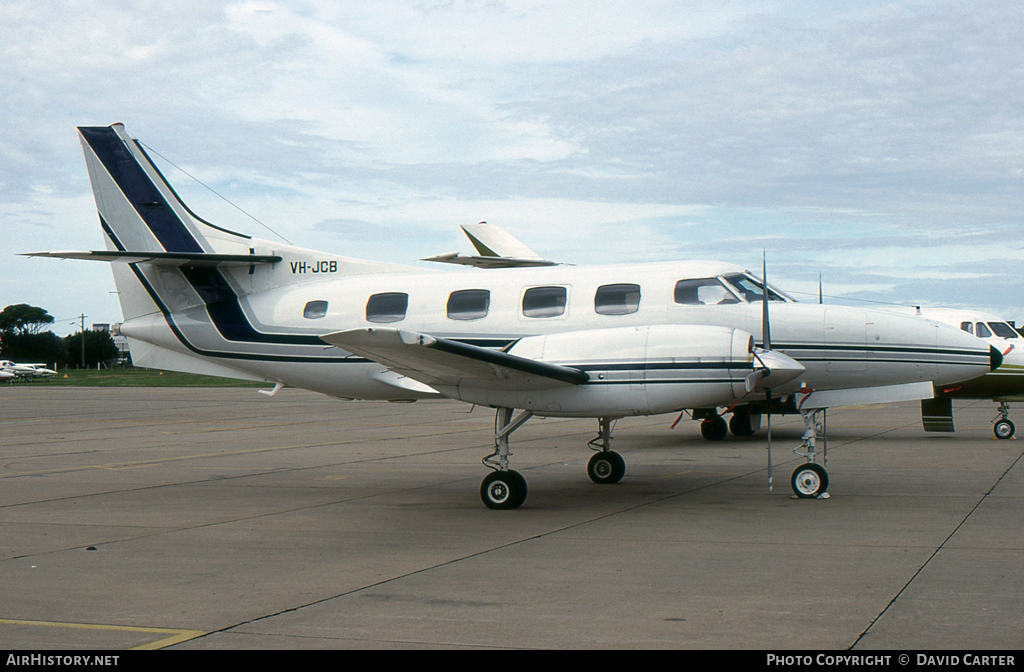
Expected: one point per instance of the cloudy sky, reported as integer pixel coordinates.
(880, 144)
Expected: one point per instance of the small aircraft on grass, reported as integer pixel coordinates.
(9, 369)
(547, 340)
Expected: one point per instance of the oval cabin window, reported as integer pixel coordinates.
(469, 304)
(544, 301)
(314, 310)
(387, 307)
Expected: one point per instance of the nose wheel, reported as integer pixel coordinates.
(1003, 427)
(809, 481)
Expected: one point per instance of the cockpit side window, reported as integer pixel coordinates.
(703, 291)
(981, 331)
(750, 289)
(1003, 330)
(967, 326)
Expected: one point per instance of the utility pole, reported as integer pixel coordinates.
(83, 316)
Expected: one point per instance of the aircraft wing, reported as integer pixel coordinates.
(439, 362)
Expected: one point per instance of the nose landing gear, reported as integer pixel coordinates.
(810, 480)
(1003, 427)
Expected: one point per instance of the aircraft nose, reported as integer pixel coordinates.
(995, 358)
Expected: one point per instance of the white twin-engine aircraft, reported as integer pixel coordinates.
(541, 339)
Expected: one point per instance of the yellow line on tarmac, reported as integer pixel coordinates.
(172, 636)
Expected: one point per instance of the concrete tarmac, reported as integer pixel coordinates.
(223, 519)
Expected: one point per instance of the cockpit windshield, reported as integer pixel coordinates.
(1003, 330)
(752, 290)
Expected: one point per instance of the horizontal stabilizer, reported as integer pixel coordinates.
(190, 259)
(440, 362)
(495, 248)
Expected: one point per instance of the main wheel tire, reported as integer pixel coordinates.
(809, 481)
(606, 467)
(714, 429)
(1004, 429)
(740, 424)
(503, 490)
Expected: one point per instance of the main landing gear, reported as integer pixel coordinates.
(504, 488)
(713, 426)
(606, 466)
(1003, 427)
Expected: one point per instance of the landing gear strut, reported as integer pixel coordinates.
(504, 488)
(810, 480)
(606, 466)
(1003, 427)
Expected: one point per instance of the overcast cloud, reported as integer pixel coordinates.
(878, 144)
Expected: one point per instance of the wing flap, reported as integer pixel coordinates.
(440, 362)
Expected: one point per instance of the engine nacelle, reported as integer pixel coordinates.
(643, 370)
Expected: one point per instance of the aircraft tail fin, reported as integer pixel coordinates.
(139, 210)
(156, 242)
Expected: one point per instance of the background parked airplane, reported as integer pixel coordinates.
(550, 340)
(24, 370)
(1000, 385)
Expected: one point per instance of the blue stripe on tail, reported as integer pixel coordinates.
(140, 191)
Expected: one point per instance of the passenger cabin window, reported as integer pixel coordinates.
(544, 301)
(1003, 330)
(981, 331)
(468, 304)
(704, 291)
(751, 289)
(314, 310)
(620, 299)
(967, 326)
(387, 307)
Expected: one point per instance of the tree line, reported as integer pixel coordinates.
(25, 337)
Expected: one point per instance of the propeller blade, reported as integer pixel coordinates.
(768, 399)
(766, 332)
